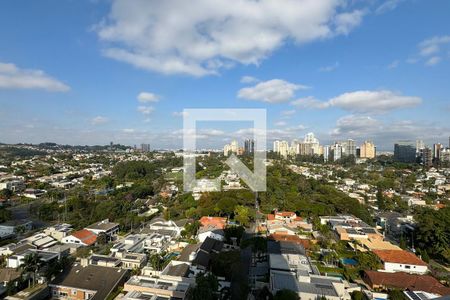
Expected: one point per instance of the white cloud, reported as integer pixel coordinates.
(309, 102)
(145, 110)
(433, 61)
(249, 79)
(346, 22)
(362, 101)
(201, 37)
(388, 6)
(433, 45)
(329, 68)
(373, 101)
(12, 77)
(199, 134)
(355, 126)
(272, 91)
(386, 132)
(99, 120)
(431, 50)
(146, 97)
(280, 123)
(179, 113)
(128, 130)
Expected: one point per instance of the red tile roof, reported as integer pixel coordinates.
(270, 217)
(399, 257)
(217, 222)
(85, 236)
(402, 280)
(291, 239)
(285, 213)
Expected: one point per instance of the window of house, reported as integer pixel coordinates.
(408, 267)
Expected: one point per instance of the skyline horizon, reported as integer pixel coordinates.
(240, 141)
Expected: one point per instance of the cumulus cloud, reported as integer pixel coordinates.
(145, 97)
(355, 126)
(201, 37)
(272, 91)
(12, 77)
(373, 101)
(346, 22)
(145, 110)
(98, 120)
(386, 132)
(362, 101)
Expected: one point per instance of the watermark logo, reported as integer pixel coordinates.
(256, 180)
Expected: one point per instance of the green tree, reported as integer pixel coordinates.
(6, 194)
(358, 295)
(205, 289)
(381, 201)
(403, 244)
(396, 295)
(102, 239)
(286, 295)
(242, 215)
(31, 265)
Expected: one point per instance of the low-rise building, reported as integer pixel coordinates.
(82, 237)
(404, 281)
(33, 193)
(13, 227)
(146, 287)
(87, 282)
(58, 231)
(105, 226)
(134, 260)
(40, 241)
(212, 227)
(401, 261)
(16, 260)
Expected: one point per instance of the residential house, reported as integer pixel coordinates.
(404, 281)
(45, 256)
(87, 282)
(12, 227)
(40, 241)
(165, 287)
(106, 227)
(82, 237)
(58, 231)
(212, 227)
(401, 261)
(133, 260)
(290, 268)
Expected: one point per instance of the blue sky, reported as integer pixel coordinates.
(72, 71)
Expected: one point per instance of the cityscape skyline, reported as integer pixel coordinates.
(90, 80)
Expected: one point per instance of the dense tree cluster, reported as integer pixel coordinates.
(287, 190)
(433, 232)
